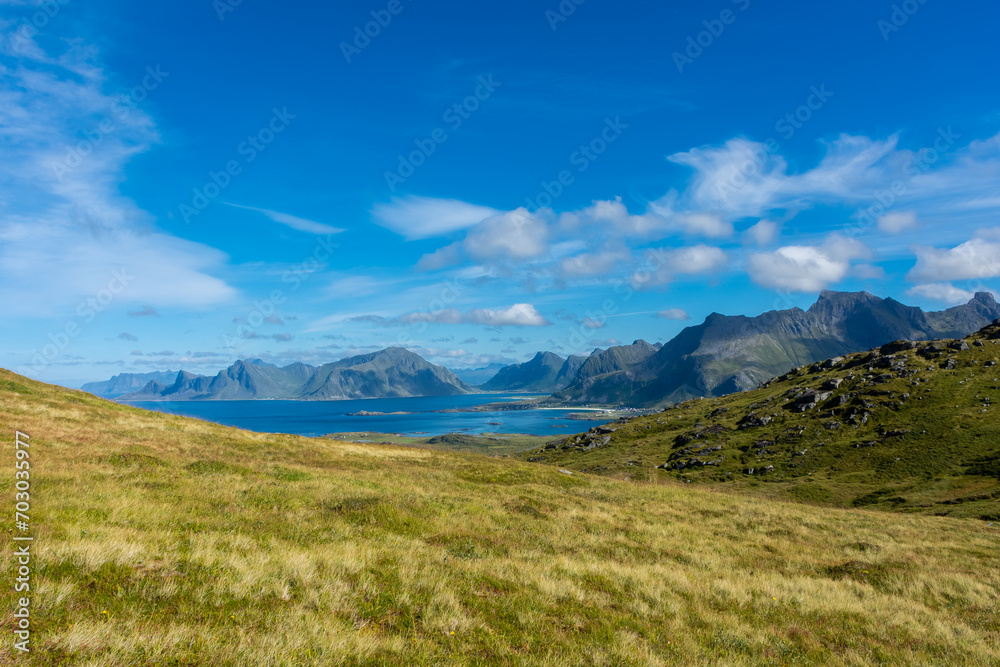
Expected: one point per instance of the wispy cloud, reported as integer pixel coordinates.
(295, 222)
(423, 217)
(61, 193)
(518, 315)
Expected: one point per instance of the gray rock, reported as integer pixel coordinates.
(753, 420)
(897, 346)
(833, 363)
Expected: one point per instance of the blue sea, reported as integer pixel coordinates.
(316, 418)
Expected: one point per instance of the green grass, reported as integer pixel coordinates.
(162, 540)
(491, 444)
(931, 443)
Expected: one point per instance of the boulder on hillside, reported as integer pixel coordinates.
(753, 420)
(809, 400)
(897, 346)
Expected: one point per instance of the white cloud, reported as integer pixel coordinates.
(731, 182)
(806, 268)
(593, 264)
(518, 315)
(64, 210)
(662, 265)
(975, 259)
(674, 314)
(623, 222)
(762, 233)
(699, 259)
(740, 178)
(944, 292)
(706, 224)
(425, 217)
(296, 223)
(516, 235)
(507, 237)
(450, 255)
(743, 178)
(897, 222)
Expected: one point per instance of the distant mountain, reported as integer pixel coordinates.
(729, 354)
(477, 376)
(390, 373)
(548, 372)
(614, 359)
(567, 374)
(538, 375)
(907, 426)
(126, 383)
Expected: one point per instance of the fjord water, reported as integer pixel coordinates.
(316, 418)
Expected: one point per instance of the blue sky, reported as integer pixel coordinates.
(187, 183)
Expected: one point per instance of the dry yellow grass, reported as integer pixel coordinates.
(209, 545)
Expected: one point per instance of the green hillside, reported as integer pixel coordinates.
(911, 427)
(162, 541)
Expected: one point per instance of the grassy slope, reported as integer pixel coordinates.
(489, 444)
(944, 458)
(163, 540)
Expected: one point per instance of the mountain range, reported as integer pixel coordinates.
(905, 426)
(723, 355)
(545, 373)
(389, 373)
(127, 383)
(727, 354)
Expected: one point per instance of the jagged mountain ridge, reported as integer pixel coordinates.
(540, 374)
(548, 372)
(726, 354)
(908, 426)
(126, 383)
(390, 373)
